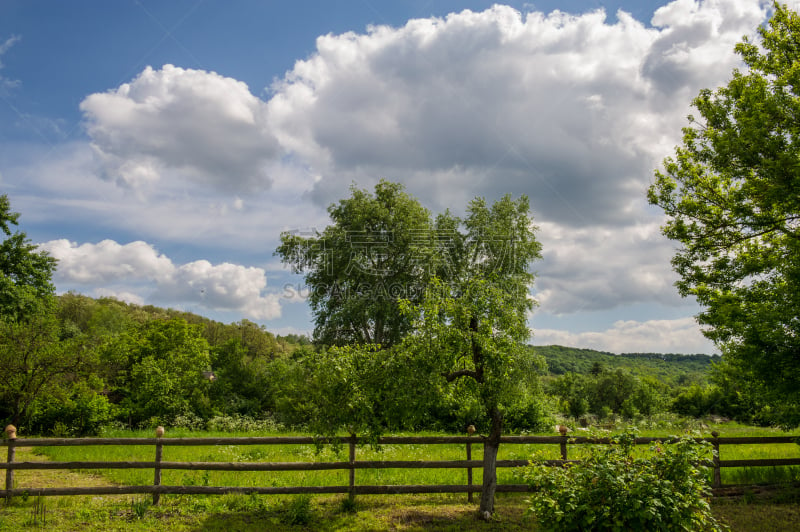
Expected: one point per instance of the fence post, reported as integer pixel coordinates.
(11, 434)
(563, 430)
(157, 468)
(470, 432)
(352, 491)
(717, 477)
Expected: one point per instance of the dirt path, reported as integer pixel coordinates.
(50, 478)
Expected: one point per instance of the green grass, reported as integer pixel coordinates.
(332, 512)
(326, 513)
(310, 453)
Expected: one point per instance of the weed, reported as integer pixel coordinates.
(139, 507)
(39, 511)
(298, 512)
(348, 506)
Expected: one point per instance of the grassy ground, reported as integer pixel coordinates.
(292, 453)
(326, 513)
(779, 511)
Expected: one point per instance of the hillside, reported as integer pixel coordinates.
(668, 368)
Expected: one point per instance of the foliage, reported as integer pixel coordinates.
(376, 251)
(25, 273)
(609, 392)
(364, 390)
(157, 370)
(732, 195)
(672, 369)
(36, 359)
(80, 410)
(611, 489)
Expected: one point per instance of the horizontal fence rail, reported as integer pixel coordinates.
(352, 465)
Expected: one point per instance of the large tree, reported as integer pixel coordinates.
(376, 251)
(732, 196)
(25, 272)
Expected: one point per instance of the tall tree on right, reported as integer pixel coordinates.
(732, 197)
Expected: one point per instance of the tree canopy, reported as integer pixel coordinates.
(732, 196)
(375, 252)
(25, 272)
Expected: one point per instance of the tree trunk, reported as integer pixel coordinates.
(490, 448)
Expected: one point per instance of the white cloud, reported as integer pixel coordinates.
(6, 83)
(223, 287)
(570, 109)
(108, 261)
(128, 297)
(119, 270)
(194, 124)
(664, 336)
(595, 268)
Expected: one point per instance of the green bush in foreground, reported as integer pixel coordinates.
(610, 489)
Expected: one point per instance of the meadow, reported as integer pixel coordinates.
(336, 512)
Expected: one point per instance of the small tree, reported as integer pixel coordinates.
(35, 360)
(472, 329)
(156, 370)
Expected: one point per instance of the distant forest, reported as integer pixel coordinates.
(669, 368)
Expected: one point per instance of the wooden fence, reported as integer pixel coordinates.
(352, 465)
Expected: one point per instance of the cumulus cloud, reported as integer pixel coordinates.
(115, 268)
(108, 261)
(671, 336)
(191, 123)
(223, 287)
(570, 109)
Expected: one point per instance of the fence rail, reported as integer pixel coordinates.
(352, 465)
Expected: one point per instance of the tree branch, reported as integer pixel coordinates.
(460, 373)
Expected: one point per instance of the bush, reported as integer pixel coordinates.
(80, 412)
(613, 490)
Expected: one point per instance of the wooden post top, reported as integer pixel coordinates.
(11, 432)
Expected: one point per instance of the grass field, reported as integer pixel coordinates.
(309, 453)
(333, 512)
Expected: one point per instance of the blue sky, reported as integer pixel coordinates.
(158, 149)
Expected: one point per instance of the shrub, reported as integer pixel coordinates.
(613, 490)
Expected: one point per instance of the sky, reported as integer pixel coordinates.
(158, 149)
